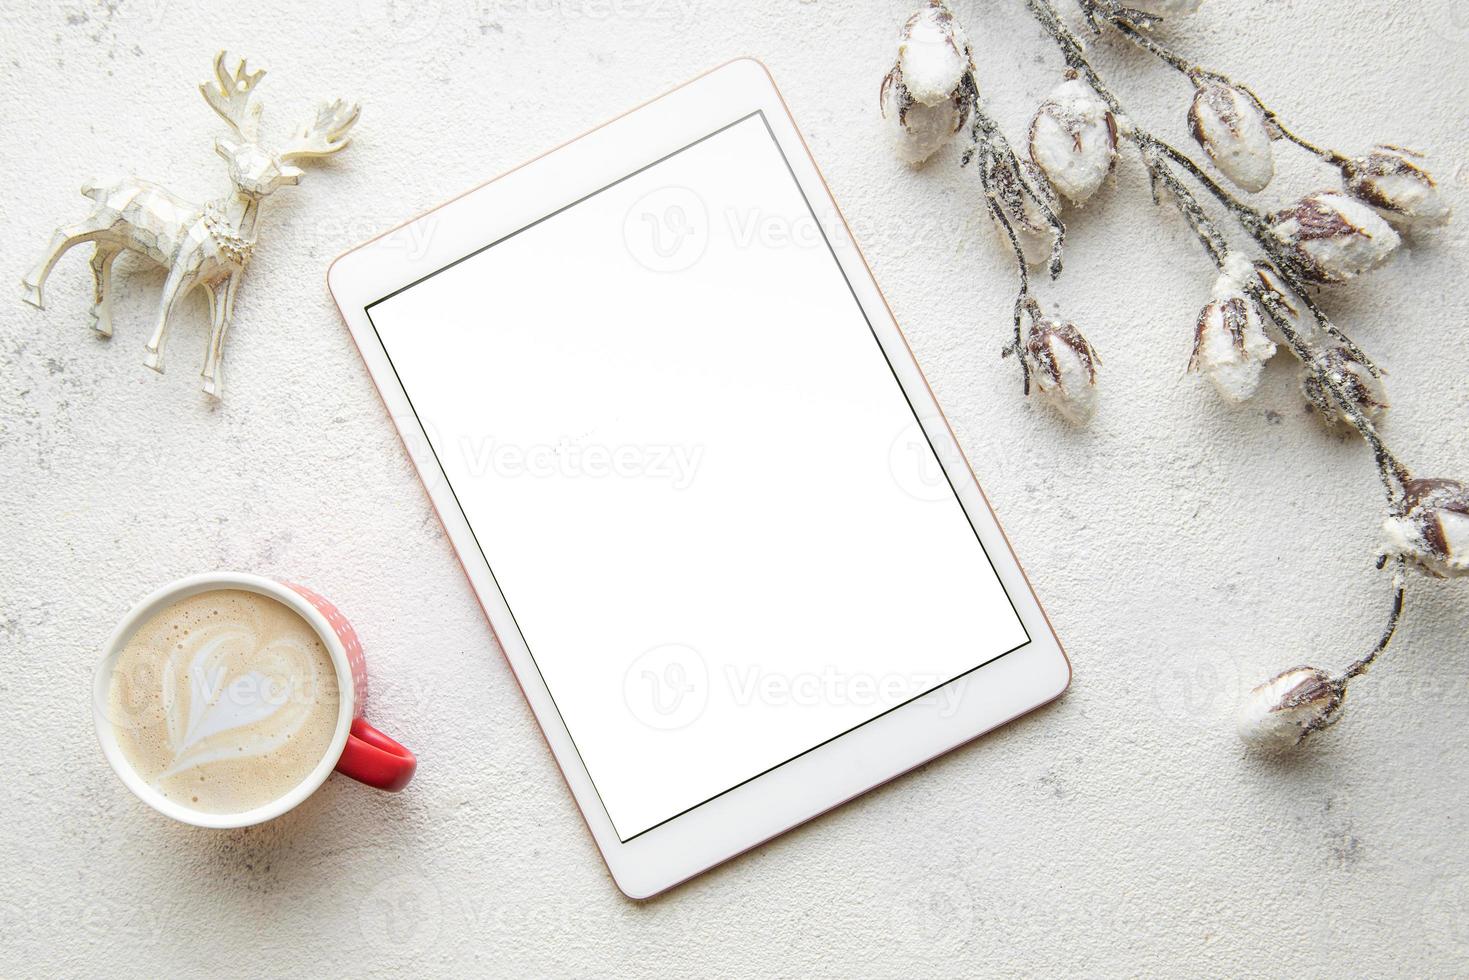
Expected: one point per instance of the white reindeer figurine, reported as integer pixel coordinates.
(208, 246)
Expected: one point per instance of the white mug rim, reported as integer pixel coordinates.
(182, 589)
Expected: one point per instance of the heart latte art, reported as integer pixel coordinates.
(224, 701)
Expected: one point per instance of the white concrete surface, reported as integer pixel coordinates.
(1183, 549)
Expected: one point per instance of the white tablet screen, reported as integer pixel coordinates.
(694, 476)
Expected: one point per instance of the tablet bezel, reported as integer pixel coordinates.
(827, 775)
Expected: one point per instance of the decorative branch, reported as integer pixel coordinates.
(1282, 706)
(1153, 151)
(986, 180)
(1009, 190)
(1294, 704)
(1325, 238)
(1127, 24)
(1360, 667)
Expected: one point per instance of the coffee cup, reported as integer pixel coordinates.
(226, 699)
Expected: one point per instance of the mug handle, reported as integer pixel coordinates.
(371, 757)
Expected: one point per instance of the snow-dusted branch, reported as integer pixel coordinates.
(1017, 206)
(1256, 304)
(1158, 156)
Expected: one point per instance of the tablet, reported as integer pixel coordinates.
(728, 543)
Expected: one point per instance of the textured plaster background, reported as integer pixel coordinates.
(1184, 550)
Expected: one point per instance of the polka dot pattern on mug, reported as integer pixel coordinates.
(347, 635)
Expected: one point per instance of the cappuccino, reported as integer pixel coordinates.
(224, 701)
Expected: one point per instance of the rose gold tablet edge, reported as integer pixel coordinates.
(377, 389)
(983, 496)
(916, 366)
(856, 246)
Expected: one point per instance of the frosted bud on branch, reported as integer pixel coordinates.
(1062, 365)
(933, 54)
(1391, 179)
(1230, 345)
(919, 131)
(1230, 125)
(1073, 139)
(922, 113)
(1281, 712)
(1334, 237)
(1350, 376)
(1432, 529)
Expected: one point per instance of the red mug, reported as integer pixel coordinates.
(357, 749)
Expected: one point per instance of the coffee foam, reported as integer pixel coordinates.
(224, 701)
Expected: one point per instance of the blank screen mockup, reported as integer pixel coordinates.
(694, 476)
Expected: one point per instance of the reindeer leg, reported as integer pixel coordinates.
(63, 239)
(175, 288)
(214, 358)
(216, 326)
(102, 259)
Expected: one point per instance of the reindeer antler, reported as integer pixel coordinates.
(229, 95)
(324, 135)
